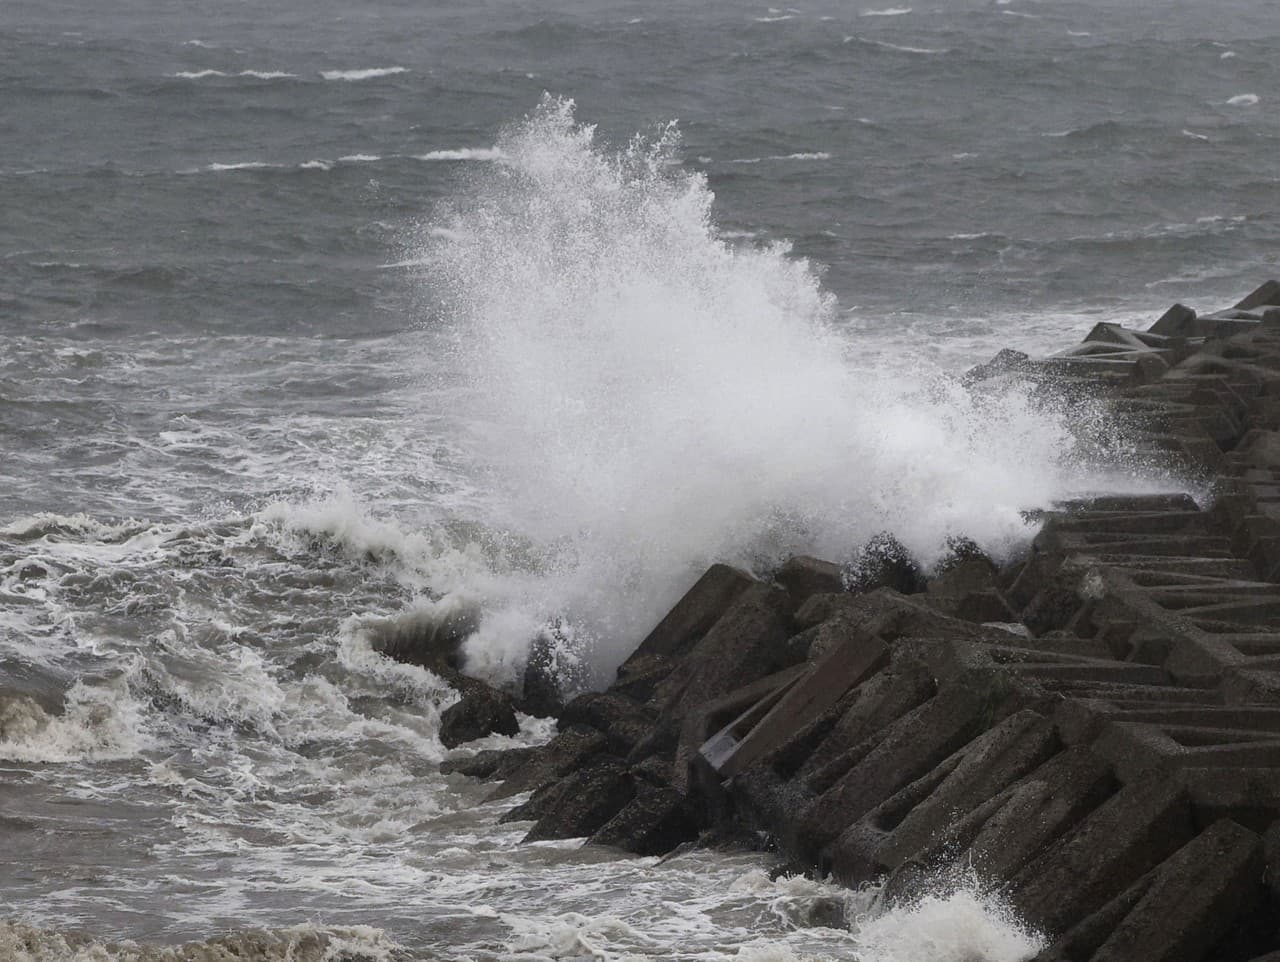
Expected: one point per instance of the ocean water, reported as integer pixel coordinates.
(318, 316)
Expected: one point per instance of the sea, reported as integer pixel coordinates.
(320, 318)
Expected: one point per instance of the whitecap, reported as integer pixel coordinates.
(302, 943)
(359, 159)
(316, 165)
(899, 47)
(593, 305)
(461, 153)
(366, 73)
(814, 155)
(966, 924)
(780, 17)
(98, 723)
(199, 74)
(887, 12)
(1193, 135)
(1079, 33)
(1243, 100)
(1020, 13)
(245, 165)
(1227, 55)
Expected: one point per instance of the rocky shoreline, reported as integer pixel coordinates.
(1093, 730)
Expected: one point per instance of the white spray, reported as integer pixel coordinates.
(646, 397)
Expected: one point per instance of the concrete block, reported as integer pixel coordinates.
(1193, 901)
(695, 613)
(803, 577)
(1177, 321)
(1266, 293)
(587, 798)
(909, 748)
(739, 744)
(747, 642)
(1139, 827)
(908, 822)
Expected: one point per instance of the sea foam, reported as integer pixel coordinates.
(367, 73)
(646, 397)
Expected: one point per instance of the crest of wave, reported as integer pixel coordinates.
(647, 397)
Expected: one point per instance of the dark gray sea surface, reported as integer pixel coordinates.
(316, 316)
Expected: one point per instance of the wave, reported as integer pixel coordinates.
(813, 155)
(1243, 100)
(461, 153)
(304, 943)
(899, 47)
(256, 74)
(98, 723)
(887, 12)
(950, 927)
(243, 165)
(644, 396)
(367, 73)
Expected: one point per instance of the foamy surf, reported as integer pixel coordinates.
(20, 942)
(365, 73)
(255, 74)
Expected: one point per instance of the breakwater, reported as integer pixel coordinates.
(1093, 730)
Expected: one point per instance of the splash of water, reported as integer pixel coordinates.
(647, 397)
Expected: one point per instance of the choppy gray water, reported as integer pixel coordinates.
(319, 314)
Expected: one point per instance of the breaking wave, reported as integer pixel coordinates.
(645, 397)
(304, 943)
(367, 73)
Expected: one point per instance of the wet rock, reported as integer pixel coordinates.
(1130, 834)
(1193, 901)
(624, 722)
(883, 562)
(541, 687)
(906, 750)
(654, 822)
(746, 643)
(585, 800)
(903, 686)
(803, 576)
(493, 763)
(1005, 362)
(695, 613)
(430, 639)
(639, 677)
(966, 569)
(905, 823)
(570, 748)
(481, 711)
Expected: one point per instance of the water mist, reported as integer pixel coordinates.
(647, 397)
